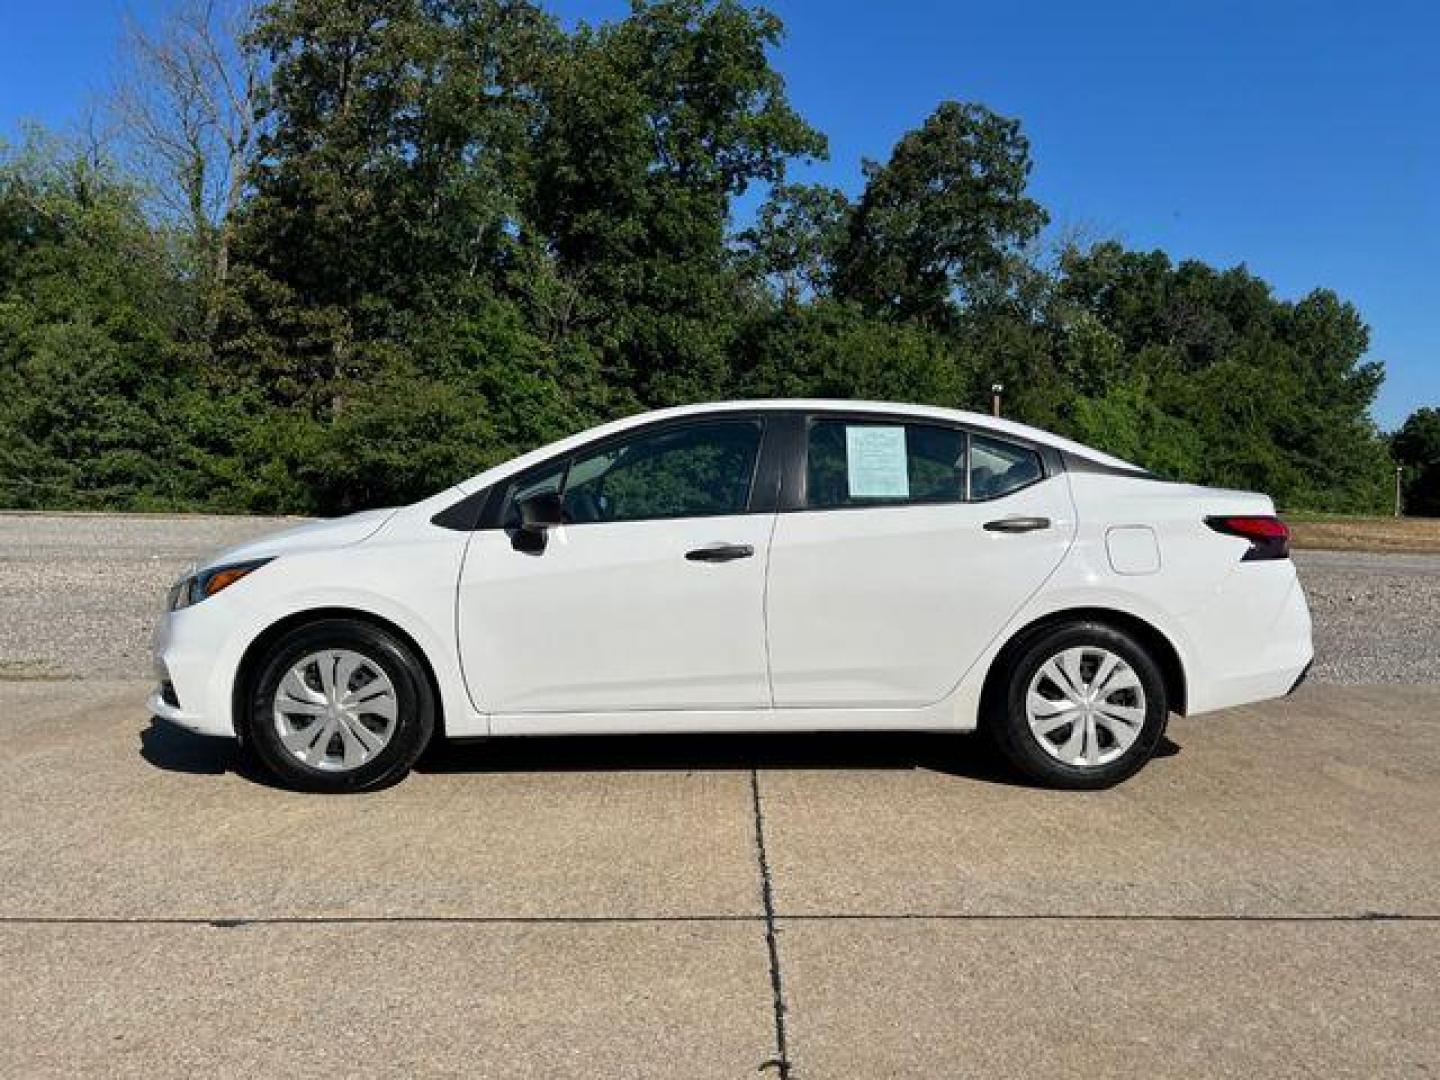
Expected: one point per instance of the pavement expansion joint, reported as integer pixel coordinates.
(781, 1061)
(770, 920)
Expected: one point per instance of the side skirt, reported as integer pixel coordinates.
(942, 716)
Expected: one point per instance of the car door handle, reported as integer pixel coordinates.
(720, 553)
(1017, 524)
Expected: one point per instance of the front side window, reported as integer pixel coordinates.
(883, 464)
(698, 470)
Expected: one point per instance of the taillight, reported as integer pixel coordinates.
(1269, 536)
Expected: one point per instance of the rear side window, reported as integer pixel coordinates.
(873, 463)
(880, 464)
(997, 467)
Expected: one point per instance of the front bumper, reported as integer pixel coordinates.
(173, 714)
(185, 649)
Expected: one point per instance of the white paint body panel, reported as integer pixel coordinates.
(853, 619)
(613, 617)
(887, 607)
(403, 572)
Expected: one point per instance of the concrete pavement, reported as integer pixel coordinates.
(1137, 998)
(1264, 900)
(1324, 803)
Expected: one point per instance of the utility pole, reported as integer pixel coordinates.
(995, 391)
(1398, 470)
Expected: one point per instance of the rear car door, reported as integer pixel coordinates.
(906, 549)
(651, 594)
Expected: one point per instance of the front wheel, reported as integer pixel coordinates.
(1084, 707)
(339, 705)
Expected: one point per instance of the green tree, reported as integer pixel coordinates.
(384, 247)
(653, 124)
(1278, 392)
(397, 129)
(834, 349)
(89, 357)
(947, 214)
(465, 230)
(1418, 440)
(797, 234)
(1416, 448)
(1125, 421)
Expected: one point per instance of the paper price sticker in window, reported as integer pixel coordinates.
(875, 462)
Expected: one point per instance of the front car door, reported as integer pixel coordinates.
(651, 594)
(885, 582)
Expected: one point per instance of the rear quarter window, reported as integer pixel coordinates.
(999, 468)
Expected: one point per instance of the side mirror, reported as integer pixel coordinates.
(539, 512)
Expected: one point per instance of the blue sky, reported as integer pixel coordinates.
(1302, 139)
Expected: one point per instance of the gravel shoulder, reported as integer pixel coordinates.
(1377, 617)
(79, 595)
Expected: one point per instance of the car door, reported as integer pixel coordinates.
(907, 549)
(649, 596)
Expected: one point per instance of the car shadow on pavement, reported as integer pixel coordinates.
(967, 757)
(175, 750)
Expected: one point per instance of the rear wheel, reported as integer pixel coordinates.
(1084, 707)
(339, 705)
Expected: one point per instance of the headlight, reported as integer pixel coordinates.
(193, 588)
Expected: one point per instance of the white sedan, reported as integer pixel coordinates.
(749, 567)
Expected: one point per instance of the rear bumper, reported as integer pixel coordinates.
(1303, 676)
(1256, 639)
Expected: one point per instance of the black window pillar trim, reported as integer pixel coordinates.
(791, 430)
(767, 486)
(464, 515)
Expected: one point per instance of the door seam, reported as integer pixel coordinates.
(765, 611)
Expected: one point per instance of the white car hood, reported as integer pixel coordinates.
(312, 536)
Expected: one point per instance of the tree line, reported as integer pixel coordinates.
(328, 254)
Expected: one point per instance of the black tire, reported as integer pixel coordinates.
(1009, 727)
(415, 711)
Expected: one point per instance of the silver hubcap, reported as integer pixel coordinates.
(1085, 706)
(335, 710)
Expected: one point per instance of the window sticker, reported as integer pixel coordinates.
(875, 460)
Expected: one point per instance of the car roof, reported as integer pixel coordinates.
(979, 421)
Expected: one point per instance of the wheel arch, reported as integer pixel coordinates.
(245, 670)
(1154, 640)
